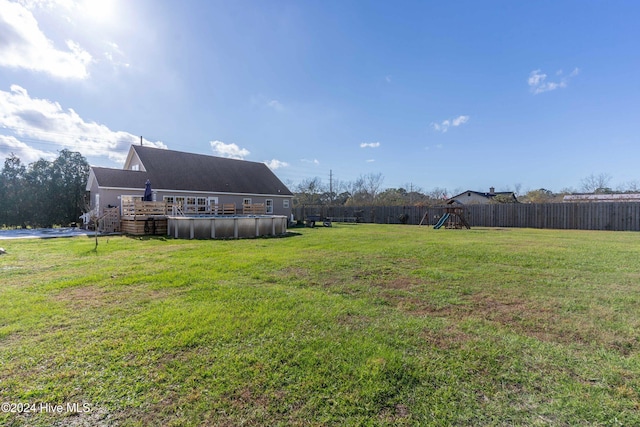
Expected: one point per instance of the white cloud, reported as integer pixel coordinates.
(23, 45)
(370, 160)
(369, 145)
(388, 79)
(275, 105)
(538, 82)
(314, 161)
(115, 56)
(441, 127)
(446, 124)
(47, 122)
(274, 164)
(460, 120)
(536, 78)
(231, 151)
(26, 154)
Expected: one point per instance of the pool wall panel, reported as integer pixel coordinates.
(226, 227)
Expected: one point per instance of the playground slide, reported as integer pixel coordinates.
(442, 220)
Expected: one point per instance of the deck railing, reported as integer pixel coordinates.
(138, 208)
(253, 209)
(110, 221)
(227, 209)
(185, 209)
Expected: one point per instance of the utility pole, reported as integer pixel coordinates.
(331, 185)
(411, 193)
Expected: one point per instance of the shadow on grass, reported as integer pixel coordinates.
(165, 238)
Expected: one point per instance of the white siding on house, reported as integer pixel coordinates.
(470, 198)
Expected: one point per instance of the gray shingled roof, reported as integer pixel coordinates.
(176, 170)
(118, 178)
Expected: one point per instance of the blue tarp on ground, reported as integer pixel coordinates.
(41, 233)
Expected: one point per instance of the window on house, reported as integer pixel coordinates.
(246, 201)
(190, 205)
(135, 167)
(285, 203)
(269, 206)
(213, 204)
(174, 204)
(201, 204)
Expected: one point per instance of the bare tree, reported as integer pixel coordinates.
(92, 219)
(365, 189)
(629, 187)
(439, 193)
(373, 183)
(596, 183)
(517, 187)
(567, 190)
(415, 194)
(358, 192)
(309, 192)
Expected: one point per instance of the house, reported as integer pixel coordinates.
(470, 197)
(194, 181)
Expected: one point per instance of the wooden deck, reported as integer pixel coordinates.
(150, 226)
(137, 209)
(150, 218)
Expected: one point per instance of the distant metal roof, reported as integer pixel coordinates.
(620, 197)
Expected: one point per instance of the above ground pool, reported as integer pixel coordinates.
(225, 227)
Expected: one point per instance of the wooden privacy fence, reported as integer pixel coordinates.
(621, 216)
(131, 208)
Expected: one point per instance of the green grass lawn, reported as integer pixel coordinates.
(350, 325)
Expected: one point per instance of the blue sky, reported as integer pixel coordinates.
(457, 94)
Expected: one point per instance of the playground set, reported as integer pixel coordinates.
(453, 218)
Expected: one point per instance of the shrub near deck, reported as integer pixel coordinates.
(367, 324)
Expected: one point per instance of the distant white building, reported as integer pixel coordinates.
(599, 198)
(470, 197)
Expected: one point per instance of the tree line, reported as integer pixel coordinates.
(46, 193)
(43, 193)
(367, 190)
